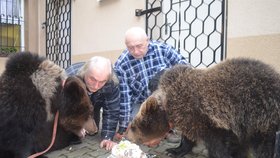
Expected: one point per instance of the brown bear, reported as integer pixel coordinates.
(233, 107)
(31, 92)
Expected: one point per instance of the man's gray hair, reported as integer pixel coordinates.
(95, 61)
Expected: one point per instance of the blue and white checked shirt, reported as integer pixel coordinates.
(134, 75)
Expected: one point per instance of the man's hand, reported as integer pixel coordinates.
(107, 144)
(118, 136)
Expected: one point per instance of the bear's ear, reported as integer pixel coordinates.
(74, 88)
(151, 105)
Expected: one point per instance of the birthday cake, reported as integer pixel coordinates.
(126, 149)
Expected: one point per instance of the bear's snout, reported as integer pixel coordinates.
(90, 127)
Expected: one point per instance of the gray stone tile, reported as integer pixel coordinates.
(89, 148)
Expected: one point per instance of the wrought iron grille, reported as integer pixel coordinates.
(196, 28)
(11, 26)
(58, 31)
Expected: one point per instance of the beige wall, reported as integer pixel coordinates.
(265, 48)
(112, 55)
(99, 27)
(253, 17)
(31, 28)
(2, 64)
(254, 30)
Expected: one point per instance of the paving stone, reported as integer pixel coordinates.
(89, 148)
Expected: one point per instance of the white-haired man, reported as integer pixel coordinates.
(103, 90)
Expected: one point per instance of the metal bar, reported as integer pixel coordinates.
(140, 12)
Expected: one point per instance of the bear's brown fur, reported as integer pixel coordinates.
(31, 92)
(233, 107)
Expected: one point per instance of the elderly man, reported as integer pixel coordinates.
(103, 90)
(136, 67)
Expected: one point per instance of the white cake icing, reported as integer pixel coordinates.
(126, 149)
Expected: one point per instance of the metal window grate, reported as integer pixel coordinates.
(58, 31)
(196, 28)
(11, 26)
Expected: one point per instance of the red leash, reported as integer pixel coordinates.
(53, 137)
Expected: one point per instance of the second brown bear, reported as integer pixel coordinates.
(234, 107)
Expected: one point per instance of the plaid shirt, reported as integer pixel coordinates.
(108, 97)
(134, 75)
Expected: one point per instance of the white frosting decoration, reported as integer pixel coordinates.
(126, 149)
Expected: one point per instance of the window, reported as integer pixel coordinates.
(11, 26)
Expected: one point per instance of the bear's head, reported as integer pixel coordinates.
(151, 122)
(76, 110)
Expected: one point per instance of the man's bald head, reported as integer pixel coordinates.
(135, 33)
(136, 41)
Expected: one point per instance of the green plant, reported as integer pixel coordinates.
(8, 50)
(4, 52)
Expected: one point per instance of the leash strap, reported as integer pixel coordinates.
(53, 137)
